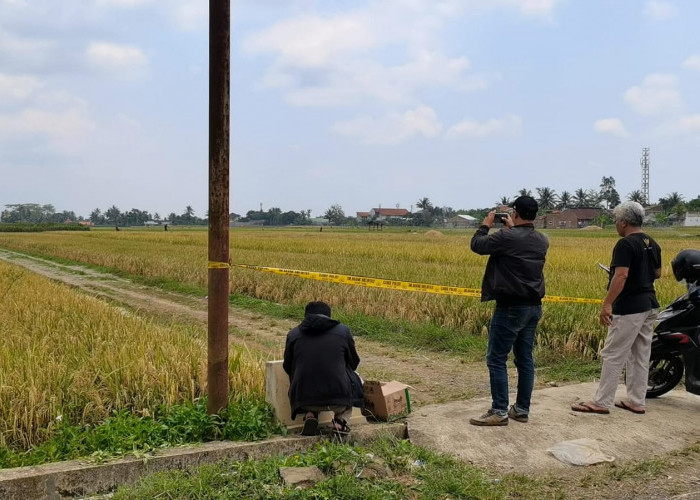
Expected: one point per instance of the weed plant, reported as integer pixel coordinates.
(245, 419)
(388, 469)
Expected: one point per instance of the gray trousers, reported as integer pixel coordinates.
(628, 343)
(339, 412)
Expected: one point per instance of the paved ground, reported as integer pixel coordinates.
(671, 423)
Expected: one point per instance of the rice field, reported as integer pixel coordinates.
(69, 356)
(442, 258)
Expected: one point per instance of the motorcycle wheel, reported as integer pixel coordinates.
(665, 372)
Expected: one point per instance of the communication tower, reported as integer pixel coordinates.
(644, 162)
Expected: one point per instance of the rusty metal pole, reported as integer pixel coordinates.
(219, 82)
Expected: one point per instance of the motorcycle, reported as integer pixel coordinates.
(675, 346)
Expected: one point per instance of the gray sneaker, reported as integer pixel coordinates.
(516, 415)
(490, 418)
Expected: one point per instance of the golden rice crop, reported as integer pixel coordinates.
(67, 354)
(181, 256)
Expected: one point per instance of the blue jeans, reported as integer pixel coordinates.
(512, 327)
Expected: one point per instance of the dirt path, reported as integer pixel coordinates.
(435, 377)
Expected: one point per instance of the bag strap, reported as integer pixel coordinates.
(649, 250)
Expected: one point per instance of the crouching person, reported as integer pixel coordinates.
(320, 359)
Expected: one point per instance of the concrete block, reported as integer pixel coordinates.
(277, 394)
(301, 477)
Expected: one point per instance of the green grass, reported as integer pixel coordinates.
(393, 469)
(125, 432)
(565, 369)
(389, 469)
(26, 227)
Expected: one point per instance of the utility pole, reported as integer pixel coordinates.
(644, 162)
(219, 84)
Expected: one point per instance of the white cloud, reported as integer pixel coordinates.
(470, 129)
(660, 11)
(191, 15)
(393, 128)
(450, 7)
(688, 125)
(533, 7)
(25, 51)
(357, 80)
(312, 41)
(124, 3)
(126, 60)
(15, 89)
(59, 118)
(657, 94)
(693, 62)
(388, 51)
(612, 126)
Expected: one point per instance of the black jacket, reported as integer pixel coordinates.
(321, 360)
(513, 273)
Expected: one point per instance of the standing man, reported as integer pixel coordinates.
(320, 359)
(514, 279)
(629, 310)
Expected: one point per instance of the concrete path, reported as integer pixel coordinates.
(671, 423)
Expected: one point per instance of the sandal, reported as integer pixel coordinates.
(626, 406)
(589, 408)
(310, 427)
(340, 426)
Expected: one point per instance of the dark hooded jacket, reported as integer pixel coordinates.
(320, 359)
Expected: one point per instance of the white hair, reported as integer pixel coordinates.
(630, 212)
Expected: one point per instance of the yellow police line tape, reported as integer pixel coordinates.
(396, 285)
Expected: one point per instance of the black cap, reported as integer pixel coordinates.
(526, 206)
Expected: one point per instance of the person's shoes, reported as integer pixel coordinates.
(586, 407)
(517, 416)
(340, 426)
(310, 427)
(490, 418)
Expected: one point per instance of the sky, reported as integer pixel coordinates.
(358, 103)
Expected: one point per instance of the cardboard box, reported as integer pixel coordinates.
(384, 399)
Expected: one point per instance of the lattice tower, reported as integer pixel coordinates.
(644, 162)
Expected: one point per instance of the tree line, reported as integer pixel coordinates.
(35, 213)
(428, 213)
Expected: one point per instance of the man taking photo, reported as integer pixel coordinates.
(514, 279)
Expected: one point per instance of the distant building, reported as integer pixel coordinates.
(460, 221)
(362, 217)
(651, 211)
(691, 219)
(384, 214)
(151, 223)
(569, 218)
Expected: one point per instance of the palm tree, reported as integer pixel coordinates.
(636, 195)
(581, 198)
(546, 197)
(503, 201)
(424, 204)
(524, 192)
(671, 201)
(564, 200)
